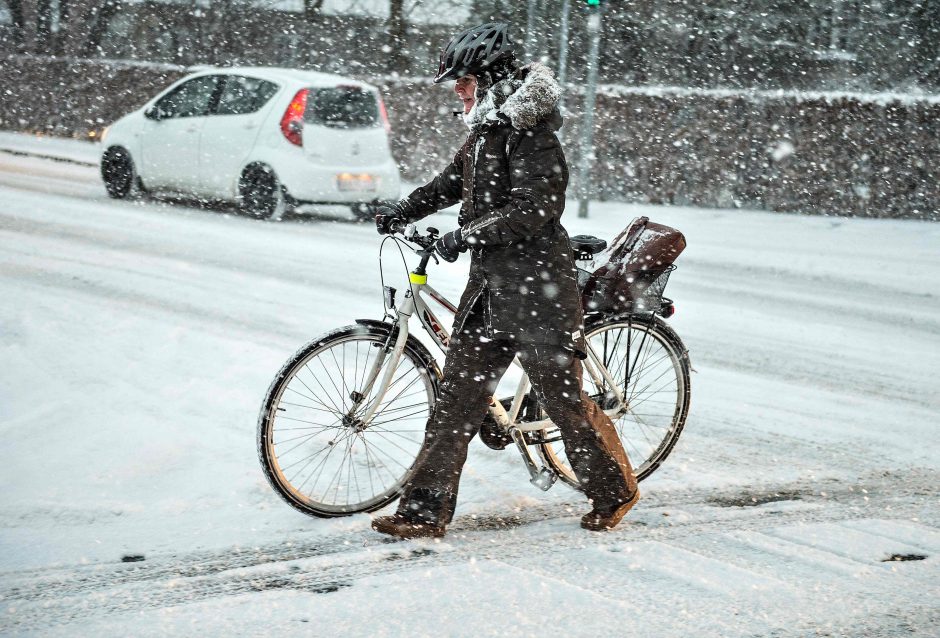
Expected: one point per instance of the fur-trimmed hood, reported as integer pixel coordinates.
(528, 97)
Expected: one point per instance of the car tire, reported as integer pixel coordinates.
(119, 174)
(365, 211)
(260, 194)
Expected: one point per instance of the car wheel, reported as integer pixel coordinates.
(119, 175)
(261, 194)
(365, 211)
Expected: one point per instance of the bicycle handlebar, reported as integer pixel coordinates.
(396, 226)
(410, 233)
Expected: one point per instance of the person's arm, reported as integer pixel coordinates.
(444, 190)
(538, 177)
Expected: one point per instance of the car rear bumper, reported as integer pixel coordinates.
(309, 183)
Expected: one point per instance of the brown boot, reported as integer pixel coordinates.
(406, 527)
(598, 520)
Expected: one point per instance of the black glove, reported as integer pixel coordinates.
(450, 245)
(385, 218)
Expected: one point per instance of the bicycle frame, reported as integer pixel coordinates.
(414, 302)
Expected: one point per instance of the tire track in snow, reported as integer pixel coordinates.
(807, 365)
(138, 252)
(167, 280)
(811, 295)
(45, 597)
(32, 175)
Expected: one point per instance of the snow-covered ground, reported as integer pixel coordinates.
(137, 340)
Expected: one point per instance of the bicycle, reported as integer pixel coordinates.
(350, 407)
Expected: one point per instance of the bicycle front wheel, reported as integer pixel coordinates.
(315, 449)
(650, 366)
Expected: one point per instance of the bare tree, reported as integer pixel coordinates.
(19, 24)
(926, 27)
(397, 32)
(98, 17)
(51, 23)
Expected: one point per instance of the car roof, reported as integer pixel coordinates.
(314, 78)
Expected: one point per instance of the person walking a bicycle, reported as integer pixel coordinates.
(521, 298)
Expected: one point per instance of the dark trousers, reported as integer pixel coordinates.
(472, 370)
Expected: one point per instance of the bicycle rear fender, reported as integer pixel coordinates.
(594, 321)
(419, 348)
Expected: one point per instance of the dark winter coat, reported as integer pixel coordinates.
(511, 177)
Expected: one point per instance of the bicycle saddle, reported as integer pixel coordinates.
(586, 246)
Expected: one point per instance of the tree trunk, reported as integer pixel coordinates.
(19, 25)
(44, 26)
(312, 9)
(98, 21)
(61, 37)
(397, 59)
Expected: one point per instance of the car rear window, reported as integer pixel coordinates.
(342, 107)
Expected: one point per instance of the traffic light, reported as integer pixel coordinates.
(593, 3)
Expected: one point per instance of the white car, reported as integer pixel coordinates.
(266, 138)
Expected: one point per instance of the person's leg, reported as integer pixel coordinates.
(472, 370)
(591, 442)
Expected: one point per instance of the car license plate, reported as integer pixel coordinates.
(355, 182)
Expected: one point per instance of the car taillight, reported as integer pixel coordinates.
(384, 113)
(292, 122)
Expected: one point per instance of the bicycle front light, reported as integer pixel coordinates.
(389, 297)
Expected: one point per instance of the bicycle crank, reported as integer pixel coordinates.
(540, 476)
(544, 479)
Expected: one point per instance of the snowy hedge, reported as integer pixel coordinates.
(850, 155)
(864, 155)
(860, 155)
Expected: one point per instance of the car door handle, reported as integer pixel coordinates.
(250, 125)
(192, 129)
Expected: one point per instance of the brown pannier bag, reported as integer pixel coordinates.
(630, 275)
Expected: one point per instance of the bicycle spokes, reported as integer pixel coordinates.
(334, 443)
(638, 374)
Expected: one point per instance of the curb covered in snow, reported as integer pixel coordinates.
(52, 148)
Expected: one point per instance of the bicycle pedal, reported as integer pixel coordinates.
(544, 479)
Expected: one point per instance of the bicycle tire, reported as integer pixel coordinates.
(653, 334)
(320, 379)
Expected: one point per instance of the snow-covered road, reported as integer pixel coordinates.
(138, 338)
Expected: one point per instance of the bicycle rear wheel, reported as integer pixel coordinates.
(316, 451)
(650, 366)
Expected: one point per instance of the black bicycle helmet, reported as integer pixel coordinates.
(473, 51)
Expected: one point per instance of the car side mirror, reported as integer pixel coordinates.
(154, 113)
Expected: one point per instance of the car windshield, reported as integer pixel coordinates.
(342, 107)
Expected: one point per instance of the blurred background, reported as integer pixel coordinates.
(788, 105)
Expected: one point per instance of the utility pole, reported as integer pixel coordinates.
(835, 32)
(596, 9)
(530, 39)
(563, 52)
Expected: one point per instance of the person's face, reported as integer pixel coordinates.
(466, 87)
